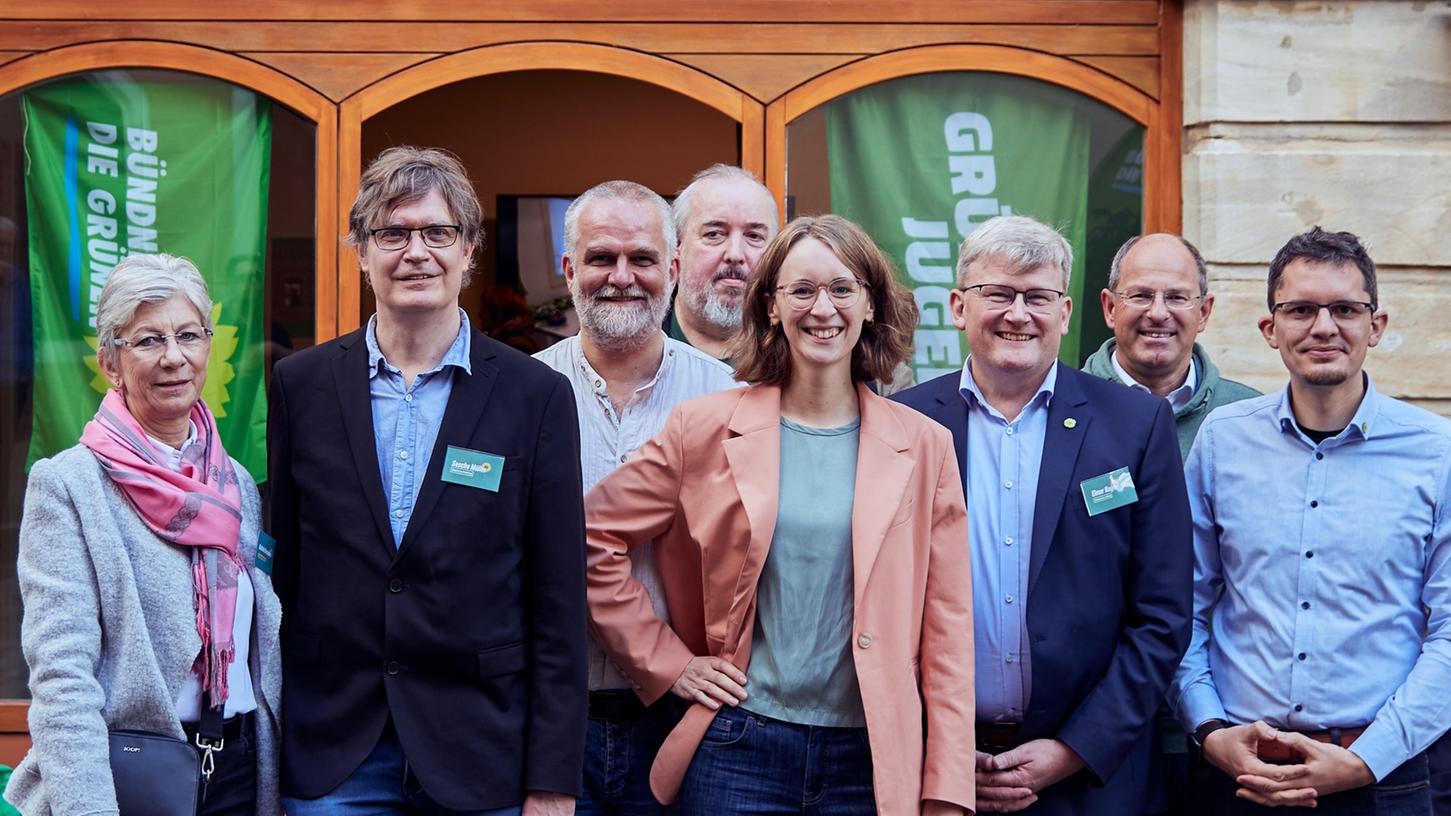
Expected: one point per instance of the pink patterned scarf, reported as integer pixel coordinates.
(200, 508)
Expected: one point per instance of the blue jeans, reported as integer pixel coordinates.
(1406, 791)
(617, 759)
(383, 784)
(749, 764)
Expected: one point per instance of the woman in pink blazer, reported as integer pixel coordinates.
(811, 542)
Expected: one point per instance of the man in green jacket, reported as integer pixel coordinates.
(1157, 302)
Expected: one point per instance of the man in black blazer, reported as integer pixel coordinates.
(1079, 532)
(426, 504)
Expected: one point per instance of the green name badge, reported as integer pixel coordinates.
(266, 544)
(472, 468)
(1109, 491)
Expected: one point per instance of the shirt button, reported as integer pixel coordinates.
(1008, 659)
(402, 454)
(1304, 604)
(1008, 599)
(1299, 707)
(1309, 553)
(1008, 484)
(407, 397)
(1008, 541)
(864, 641)
(599, 383)
(398, 513)
(395, 585)
(1319, 455)
(393, 667)
(624, 456)
(1010, 431)
(1314, 504)
(1300, 656)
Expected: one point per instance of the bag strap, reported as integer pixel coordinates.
(209, 736)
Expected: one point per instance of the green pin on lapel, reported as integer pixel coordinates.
(1070, 423)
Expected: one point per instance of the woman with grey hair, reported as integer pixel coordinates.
(138, 546)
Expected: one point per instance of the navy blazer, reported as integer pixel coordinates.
(470, 636)
(1109, 596)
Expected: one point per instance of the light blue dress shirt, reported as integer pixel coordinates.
(406, 419)
(1313, 569)
(1003, 459)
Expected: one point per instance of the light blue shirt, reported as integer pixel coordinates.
(1314, 566)
(406, 419)
(1003, 459)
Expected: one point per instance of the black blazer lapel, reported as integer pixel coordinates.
(465, 407)
(350, 375)
(1061, 445)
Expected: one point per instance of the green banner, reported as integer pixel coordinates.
(118, 166)
(920, 161)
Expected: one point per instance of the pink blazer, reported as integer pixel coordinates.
(705, 489)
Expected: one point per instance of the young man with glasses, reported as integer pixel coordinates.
(429, 524)
(1079, 534)
(1157, 302)
(1321, 655)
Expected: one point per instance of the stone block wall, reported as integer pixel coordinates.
(1331, 113)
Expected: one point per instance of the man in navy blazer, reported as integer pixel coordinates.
(1080, 537)
(426, 501)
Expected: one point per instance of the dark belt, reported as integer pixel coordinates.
(996, 737)
(232, 728)
(618, 705)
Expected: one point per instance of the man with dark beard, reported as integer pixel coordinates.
(620, 265)
(725, 218)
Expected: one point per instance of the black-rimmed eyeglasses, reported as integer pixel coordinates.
(438, 236)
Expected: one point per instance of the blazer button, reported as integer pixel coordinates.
(864, 641)
(395, 585)
(392, 667)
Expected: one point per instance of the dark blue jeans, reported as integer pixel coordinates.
(617, 759)
(749, 764)
(383, 784)
(1406, 791)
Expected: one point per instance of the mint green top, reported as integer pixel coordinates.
(801, 667)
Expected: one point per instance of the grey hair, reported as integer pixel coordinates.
(685, 199)
(619, 190)
(140, 279)
(1023, 243)
(1118, 261)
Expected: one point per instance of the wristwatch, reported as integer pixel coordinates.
(1205, 729)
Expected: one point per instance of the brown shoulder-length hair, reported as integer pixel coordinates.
(760, 351)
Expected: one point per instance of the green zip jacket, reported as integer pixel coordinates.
(1210, 392)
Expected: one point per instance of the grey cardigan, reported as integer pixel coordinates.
(109, 633)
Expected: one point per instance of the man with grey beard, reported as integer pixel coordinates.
(620, 265)
(725, 218)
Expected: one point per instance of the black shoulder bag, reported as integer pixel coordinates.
(157, 775)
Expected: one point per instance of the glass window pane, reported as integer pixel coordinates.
(920, 161)
(100, 165)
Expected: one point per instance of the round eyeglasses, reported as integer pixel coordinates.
(802, 294)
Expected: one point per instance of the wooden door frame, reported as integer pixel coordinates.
(507, 58)
(1162, 172)
(191, 59)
